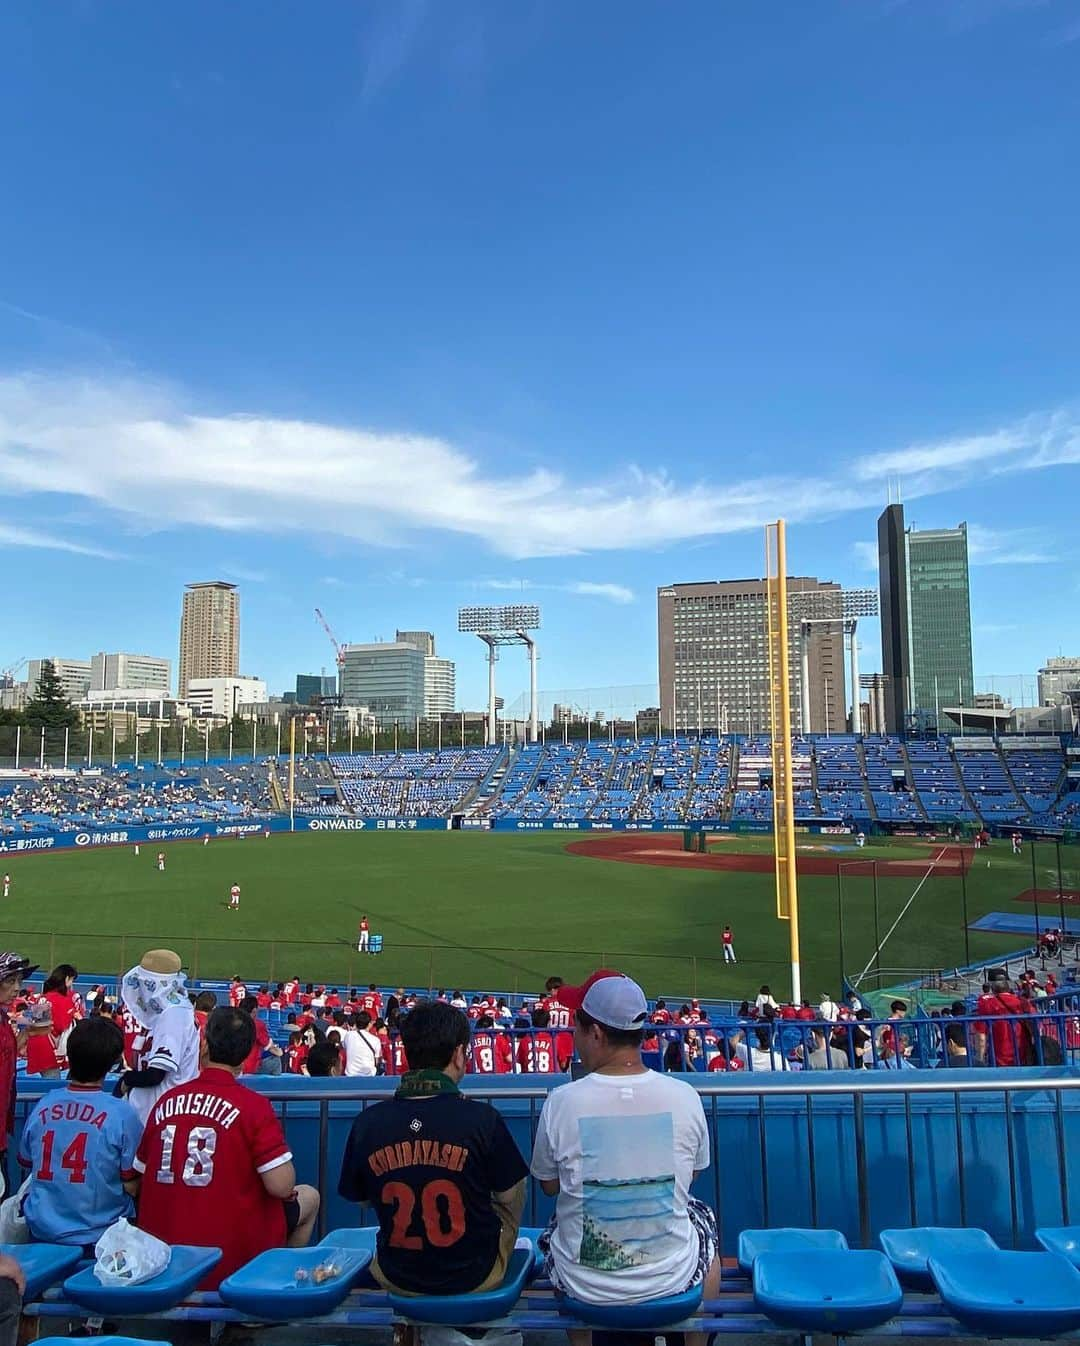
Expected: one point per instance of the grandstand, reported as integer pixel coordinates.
(865, 783)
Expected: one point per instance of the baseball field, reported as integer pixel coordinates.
(504, 911)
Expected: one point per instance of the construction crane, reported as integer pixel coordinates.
(339, 653)
(9, 674)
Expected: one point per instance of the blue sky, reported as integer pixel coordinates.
(386, 307)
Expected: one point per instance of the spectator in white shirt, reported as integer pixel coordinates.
(363, 1049)
(829, 1009)
(620, 1148)
(758, 1053)
(765, 1000)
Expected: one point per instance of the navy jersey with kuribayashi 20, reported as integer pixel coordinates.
(429, 1167)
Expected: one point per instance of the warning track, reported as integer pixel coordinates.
(652, 848)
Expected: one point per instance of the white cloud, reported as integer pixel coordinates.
(245, 573)
(1010, 546)
(135, 449)
(617, 593)
(614, 593)
(13, 536)
(866, 555)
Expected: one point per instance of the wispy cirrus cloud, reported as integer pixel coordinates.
(986, 547)
(11, 535)
(137, 450)
(613, 593)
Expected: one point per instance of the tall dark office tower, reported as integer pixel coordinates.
(925, 621)
(895, 626)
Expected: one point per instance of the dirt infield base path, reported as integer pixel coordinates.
(660, 848)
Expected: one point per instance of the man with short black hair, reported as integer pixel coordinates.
(442, 1170)
(619, 1149)
(79, 1145)
(363, 1049)
(323, 1060)
(216, 1166)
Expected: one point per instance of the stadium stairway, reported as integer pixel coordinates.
(1004, 760)
(909, 776)
(969, 798)
(868, 794)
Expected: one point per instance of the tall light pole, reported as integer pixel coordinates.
(507, 624)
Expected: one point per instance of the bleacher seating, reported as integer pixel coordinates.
(857, 781)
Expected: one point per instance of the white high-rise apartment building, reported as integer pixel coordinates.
(440, 686)
(209, 633)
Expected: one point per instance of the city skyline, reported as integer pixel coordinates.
(342, 313)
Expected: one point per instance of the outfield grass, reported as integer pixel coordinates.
(481, 910)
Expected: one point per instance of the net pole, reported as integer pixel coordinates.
(292, 773)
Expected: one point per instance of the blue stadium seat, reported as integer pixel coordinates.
(1005, 1294)
(268, 1286)
(356, 1238)
(463, 1310)
(186, 1269)
(754, 1242)
(647, 1316)
(825, 1290)
(100, 1341)
(43, 1264)
(910, 1250)
(1065, 1241)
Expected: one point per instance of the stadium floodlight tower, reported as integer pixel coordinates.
(825, 607)
(507, 624)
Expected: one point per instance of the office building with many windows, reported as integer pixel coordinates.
(136, 672)
(925, 621)
(74, 675)
(388, 677)
(714, 659)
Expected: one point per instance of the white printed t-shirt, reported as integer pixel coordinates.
(625, 1149)
(173, 1047)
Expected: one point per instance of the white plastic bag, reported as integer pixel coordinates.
(13, 1226)
(450, 1336)
(129, 1256)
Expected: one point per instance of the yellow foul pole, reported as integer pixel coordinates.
(787, 891)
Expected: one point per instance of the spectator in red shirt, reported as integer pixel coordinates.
(13, 969)
(46, 1049)
(371, 1001)
(661, 1014)
(262, 997)
(1011, 1042)
(805, 1012)
(214, 1159)
(265, 1055)
(536, 1051)
(490, 1053)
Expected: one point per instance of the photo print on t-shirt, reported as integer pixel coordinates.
(627, 1215)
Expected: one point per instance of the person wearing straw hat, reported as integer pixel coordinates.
(165, 1051)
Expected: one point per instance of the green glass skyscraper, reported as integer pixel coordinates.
(925, 620)
(939, 609)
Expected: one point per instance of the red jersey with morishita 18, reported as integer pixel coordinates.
(202, 1156)
(491, 1054)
